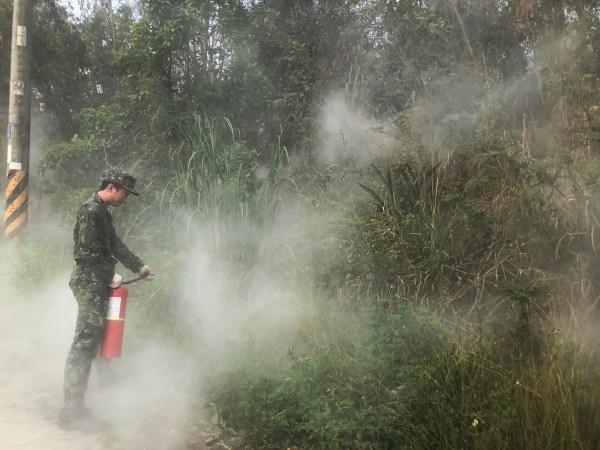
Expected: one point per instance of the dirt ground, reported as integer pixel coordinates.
(150, 407)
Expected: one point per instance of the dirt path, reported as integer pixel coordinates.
(149, 408)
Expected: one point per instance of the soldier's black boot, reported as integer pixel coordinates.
(76, 417)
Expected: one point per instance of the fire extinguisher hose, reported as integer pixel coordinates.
(133, 280)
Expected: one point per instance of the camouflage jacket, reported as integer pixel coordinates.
(96, 243)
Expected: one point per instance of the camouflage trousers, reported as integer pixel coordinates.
(91, 293)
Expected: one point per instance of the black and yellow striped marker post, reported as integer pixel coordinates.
(17, 199)
(19, 123)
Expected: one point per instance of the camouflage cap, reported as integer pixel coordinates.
(121, 178)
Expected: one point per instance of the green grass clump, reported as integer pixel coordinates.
(347, 393)
(400, 381)
(454, 227)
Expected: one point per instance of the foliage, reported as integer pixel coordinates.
(397, 381)
(280, 33)
(213, 179)
(60, 69)
(38, 263)
(346, 394)
(447, 227)
(485, 394)
(212, 163)
(73, 161)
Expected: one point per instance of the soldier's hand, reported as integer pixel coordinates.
(116, 281)
(146, 273)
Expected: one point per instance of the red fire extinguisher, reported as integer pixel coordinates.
(114, 326)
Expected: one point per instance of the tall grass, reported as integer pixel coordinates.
(213, 187)
(457, 227)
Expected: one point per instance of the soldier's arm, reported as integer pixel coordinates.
(124, 255)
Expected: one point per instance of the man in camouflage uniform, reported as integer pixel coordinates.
(97, 249)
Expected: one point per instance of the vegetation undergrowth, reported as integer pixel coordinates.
(408, 380)
(483, 238)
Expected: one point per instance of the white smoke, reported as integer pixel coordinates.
(349, 137)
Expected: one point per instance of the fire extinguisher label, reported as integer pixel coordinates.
(114, 308)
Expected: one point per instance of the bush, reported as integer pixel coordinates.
(348, 393)
(401, 382)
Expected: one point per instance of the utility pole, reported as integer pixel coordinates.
(19, 122)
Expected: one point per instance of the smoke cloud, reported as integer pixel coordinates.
(350, 138)
(145, 408)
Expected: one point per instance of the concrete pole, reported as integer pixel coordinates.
(19, 122)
